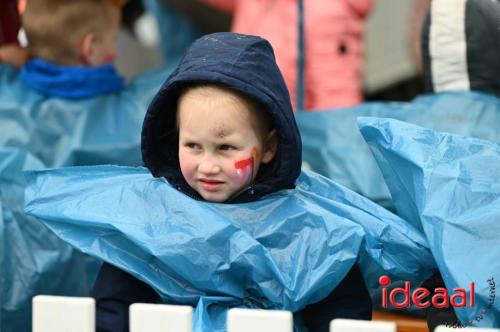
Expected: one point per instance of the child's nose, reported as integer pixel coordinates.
(209, 165)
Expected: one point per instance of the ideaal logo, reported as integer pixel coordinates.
(440, 298)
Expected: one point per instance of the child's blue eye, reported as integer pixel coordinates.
(227, 147)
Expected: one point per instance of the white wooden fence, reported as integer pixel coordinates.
(73, 314)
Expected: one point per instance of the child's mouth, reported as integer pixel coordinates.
(211, 185)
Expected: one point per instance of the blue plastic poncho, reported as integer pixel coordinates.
(284, 251)
(449, 186)
(33, 260)
(102, 129)
(333, 146)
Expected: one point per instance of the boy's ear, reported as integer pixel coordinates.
(87, 48)
(270, 146)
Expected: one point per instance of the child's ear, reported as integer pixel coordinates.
(270, 146)
(87, 48)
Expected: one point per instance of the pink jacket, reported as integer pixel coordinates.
(333, 37)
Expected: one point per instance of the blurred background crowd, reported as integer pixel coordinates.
(374, 47)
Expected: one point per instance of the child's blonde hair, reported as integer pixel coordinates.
(263, 123)
(55, 28)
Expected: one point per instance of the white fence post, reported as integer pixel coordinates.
(63, 314)
(160, 318)
(256, 320)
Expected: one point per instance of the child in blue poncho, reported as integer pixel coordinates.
(67, 104)
(221, 129)
(75, 62)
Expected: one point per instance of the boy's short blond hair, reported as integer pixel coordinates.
(55, 28)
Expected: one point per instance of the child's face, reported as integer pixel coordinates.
(220, 152)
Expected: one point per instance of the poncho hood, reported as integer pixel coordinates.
(240, 62)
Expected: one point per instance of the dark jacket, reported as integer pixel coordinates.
(246, 64)
(439, 316)
(476, 66)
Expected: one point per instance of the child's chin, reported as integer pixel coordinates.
(215, 197)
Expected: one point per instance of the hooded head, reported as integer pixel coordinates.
(461, 46)
(246, 66)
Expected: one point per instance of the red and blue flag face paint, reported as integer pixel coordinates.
(245, 168)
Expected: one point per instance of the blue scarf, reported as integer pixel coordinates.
(71, 81)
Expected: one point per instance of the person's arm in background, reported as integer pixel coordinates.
(350, 300)
(209, 15)
(114, 291)
(419, 11)
(14, 55)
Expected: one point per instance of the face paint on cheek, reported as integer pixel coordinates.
(245, 168)
(255, 152)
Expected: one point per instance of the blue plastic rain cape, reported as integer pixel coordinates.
(333, 147)
(284, 251)
(33, 260)
(449, 186)
(102, 129)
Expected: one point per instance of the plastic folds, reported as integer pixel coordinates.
(105, 129)
(284, 251)
(449, 186)
(33, 260)
(333, 147)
